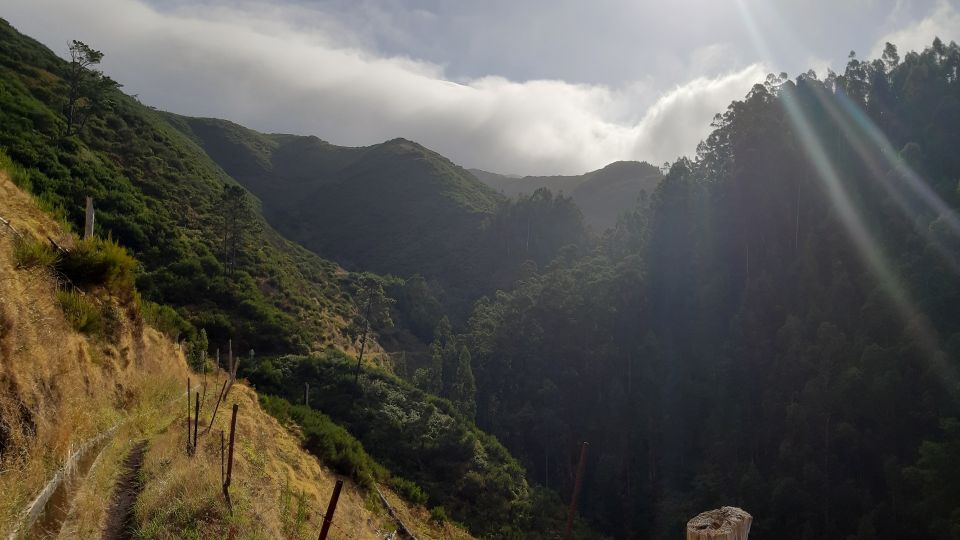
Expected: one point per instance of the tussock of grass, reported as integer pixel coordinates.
(32, 253)
(19, 175)
(82, 314)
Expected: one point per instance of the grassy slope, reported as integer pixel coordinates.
(394, 207)
(602, 195)
(157, 193)
(60, 388)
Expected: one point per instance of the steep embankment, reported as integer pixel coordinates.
(91, 401)
(601, 195)
(394, 207)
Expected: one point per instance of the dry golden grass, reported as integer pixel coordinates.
(271, 475)
(59, 389)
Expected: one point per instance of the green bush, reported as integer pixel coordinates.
(328, 441)
(83, 315)
(32, 253)
(438, 514)
(409, 490)
(163, 318)
(99, 262)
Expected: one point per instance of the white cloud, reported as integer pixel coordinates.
(944, 23)
(253, 66)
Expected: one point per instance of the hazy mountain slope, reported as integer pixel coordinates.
(602, 195)
(160, 195)
(393, 207)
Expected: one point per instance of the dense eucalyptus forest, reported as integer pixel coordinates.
(775, 325)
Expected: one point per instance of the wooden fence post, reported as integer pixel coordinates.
(576, 490)
(88, 224)
(226, 482)
(331, 508)
(727, 523)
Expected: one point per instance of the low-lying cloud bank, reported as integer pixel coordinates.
(258, 66)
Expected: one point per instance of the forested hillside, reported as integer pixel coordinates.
(780, 331)
(773, 324)
(394, 207)
(204, 247)
(602, 195)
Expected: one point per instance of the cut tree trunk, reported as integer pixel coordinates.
(727, 523)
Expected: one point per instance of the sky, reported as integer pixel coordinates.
(511, 86)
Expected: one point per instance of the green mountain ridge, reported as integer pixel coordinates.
(388, 207)
(602, 195)
(161, 196)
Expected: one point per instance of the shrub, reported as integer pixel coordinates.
(101, 262)
(328, 441)
(32, 253)
(163, 318)
(82, 314)
(409, 490)
(438, 514)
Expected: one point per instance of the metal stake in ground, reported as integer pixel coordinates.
(217, 406)
(576, 490)
(222, 464)
(188, 415)
(306, 394)
(331, 508)
(196, 423)
(226, 482)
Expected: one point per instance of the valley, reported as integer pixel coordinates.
(772, 323)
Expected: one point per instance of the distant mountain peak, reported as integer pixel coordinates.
(602, 195)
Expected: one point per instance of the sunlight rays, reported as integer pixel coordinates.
(870, 144)
(867, 246)
(828, 175)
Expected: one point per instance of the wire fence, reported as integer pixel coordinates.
(304, 505)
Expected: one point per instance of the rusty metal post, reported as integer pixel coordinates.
(222, 462)
(196, 423)
(188, 415)
(331, 508)
(576, 490)
(216, 407)
(88, 224)
(226, 482)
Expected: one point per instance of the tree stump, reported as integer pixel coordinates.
(727, 523)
